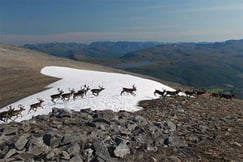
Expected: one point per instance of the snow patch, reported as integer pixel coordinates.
(109, 98)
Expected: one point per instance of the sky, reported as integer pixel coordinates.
(85, 21)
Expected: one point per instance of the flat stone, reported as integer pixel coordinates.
(173, 159)
(74, 149)
(151, 147)
(25, 157)
(102, 121)
(175, 141)
(188, 152)
(159, 141)
(155, 131)
(60, 113)
(105, 114)
(10, 131)
(140, 120)
(38, 147)
(102, 151)
(69, 139)
(22, 141)
(65, 155)
(170, 126)
(76, 158)
(121, 150)
(53, 153)
(10, 153)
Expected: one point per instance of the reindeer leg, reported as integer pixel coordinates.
(53, 101)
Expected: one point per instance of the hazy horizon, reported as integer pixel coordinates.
(85, 21)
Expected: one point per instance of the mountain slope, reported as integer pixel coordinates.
(210, 65)
(20, 72)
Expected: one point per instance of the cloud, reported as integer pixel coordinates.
(151, 27)
(87, 37)
(234, 7)
(84, 37)
(154, 7)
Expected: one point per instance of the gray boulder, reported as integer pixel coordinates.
(121, 150)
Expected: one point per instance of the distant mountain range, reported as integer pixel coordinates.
(95, 49)
(216, 66)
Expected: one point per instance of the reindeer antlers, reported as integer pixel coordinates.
(39, 99)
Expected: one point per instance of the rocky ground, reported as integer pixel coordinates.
(167, 129)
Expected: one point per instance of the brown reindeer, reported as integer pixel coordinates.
(173, 93)
(17, 112)
(215, 95)
(36, 105)
(82, 92)
(96, 92)
(200, 91)
(189, 93)
(227, 96)
(5, 115)
(161, 93)
(57, 96)
(129, 90)
(66, 96)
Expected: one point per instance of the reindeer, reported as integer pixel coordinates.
(36, 105)
(57, 96)
(17, 112)
(199, 92)
(5, 115)
(86, 90)
(82, 92)
(96, 92)
(216, 95)
(129, 90)
(66, 96)
(161, 93)
(226, 96)
(189, 93)
(79, 93)
(173, 93)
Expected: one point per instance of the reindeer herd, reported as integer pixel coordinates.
(12, 113)
(65, 97)
(194, 93)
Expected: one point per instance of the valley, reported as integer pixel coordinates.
(214, 66)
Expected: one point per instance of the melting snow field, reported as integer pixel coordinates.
(109, 98)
